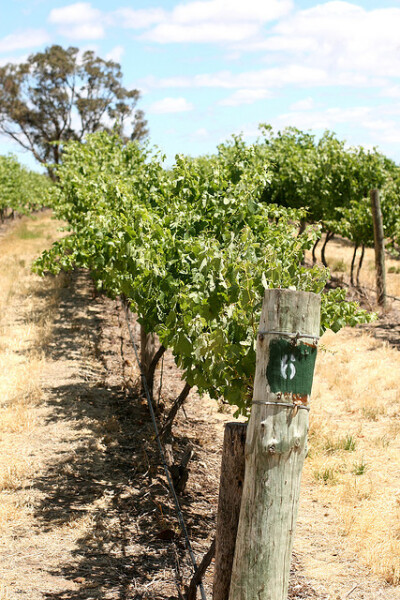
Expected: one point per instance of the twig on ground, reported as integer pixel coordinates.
(352, 590)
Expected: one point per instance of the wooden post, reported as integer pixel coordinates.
(230, 496)
(379, 248)
(276, 445)
(147, 349)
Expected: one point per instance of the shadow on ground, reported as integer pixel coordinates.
(105, 481)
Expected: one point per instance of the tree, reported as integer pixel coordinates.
(59, 95)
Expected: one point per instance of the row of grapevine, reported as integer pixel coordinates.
(332, 181)
(191, 248)
(21, 191)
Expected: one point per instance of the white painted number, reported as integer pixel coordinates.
(287, 365)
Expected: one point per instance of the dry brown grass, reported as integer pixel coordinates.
(338, 257)
(355, 444)
(355, 429)
(24, 332)
(4, 595)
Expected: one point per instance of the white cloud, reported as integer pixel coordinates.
(200, 134)
(170, 105)
(116, 54)
(25, 39)
(78, 21)
(370, 126)
(391, 91)
(199, 21)
(74, 14)
(305, 104)
(339, 36)
(138, 19)
(86, 31)
(215, 20)
(231, 11)
(13, 60)
(263, 79)
(245, 96)
(202, 32)
(378, 123)
(324, 119)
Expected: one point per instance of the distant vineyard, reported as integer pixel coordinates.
(332, 181)
(21, 191)
(191, 249)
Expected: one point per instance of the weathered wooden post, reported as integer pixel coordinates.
(379, 248)
(276, 444)
(229, 500)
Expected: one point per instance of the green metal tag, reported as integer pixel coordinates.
(291, 368)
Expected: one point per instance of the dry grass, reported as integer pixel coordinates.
(338, 257)
(24, 332)
(355, 429)
(3, 592)
(355, 444)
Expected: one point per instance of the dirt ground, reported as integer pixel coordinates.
(92, 515)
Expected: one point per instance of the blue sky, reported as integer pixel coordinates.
(210, 68)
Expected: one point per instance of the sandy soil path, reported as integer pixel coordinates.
(92, 517)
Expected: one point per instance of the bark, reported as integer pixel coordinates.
(229, 500)
(276, 445)
(302, 227)
(147, 343)
(152, 369)
(167, 427)
(379, 248)
(314, 257)
(329, 236)
(353, 260)
(360, 262)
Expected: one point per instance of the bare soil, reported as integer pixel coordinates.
(97, 518)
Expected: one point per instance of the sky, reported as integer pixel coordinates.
(208, 69)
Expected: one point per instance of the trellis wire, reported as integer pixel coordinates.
(161, 451)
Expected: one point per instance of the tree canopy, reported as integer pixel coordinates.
(60, 95)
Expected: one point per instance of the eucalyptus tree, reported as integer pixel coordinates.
(61, 94)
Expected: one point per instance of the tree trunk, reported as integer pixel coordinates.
(353, 260)
(152, 369)
(230, 496)
(147, 345)
(275, 447)
(329, 236)
(166, 430)
(302, 227)
(379, 248)
(314, 257)
(360, 262)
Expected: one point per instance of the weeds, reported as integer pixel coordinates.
(339, 266)
(347, 443)
(359, 467)
(357, 382)
(327, 475)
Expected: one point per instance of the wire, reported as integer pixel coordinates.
(294, 335)
(281, 404)
(160, 448)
